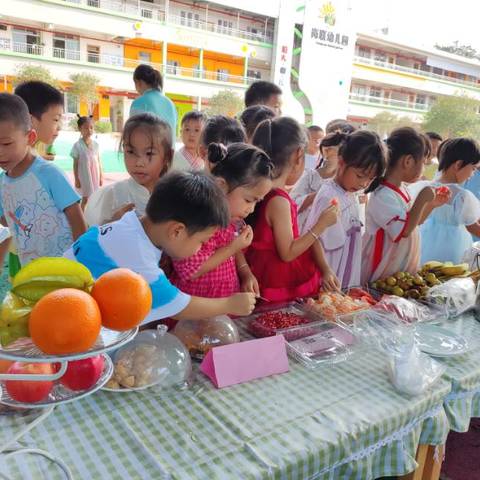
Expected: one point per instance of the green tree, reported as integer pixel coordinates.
(454, 116)
(225, 102)
(27, 72)
(84, 87)
(463, 50)
(384, 122)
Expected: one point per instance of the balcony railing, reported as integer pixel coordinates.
(423, 73)
(152, 11)
(124, 63)
(389, 102)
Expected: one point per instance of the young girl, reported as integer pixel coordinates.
(279, 257)
(309, 184)
(219, 129)
(188, 157)
(87, 167)
(361, 158)
(147, 147)
(252, 116)
(391, 242)
(446, 234)
(219, 269)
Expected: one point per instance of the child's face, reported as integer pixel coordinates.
(466, 172)
(191, 131)
(353, 179)
(14, 145)
(144, 158)
(330, 154)
(242, 200)
(275, 103)
(297, 166)
(314, 138)
(49, 124)
(87, 129)
(413, 169)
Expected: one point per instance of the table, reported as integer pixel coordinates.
(342, 421)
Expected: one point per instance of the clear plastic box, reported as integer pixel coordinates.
(318, 343)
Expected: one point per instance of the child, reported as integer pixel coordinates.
(37, 202)
(266, 93)
(183, 212)
(431, 161)
(147, 147)
(446, 234)
(279, 257)
(219, 269)
(220, 129)
(87, 168)
(188, 157)
(361, 158)
(252, 116)
(312, 155)
(306, 188)
(391, 242)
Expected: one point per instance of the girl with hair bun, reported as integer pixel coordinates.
(219, 268)
(87, 168)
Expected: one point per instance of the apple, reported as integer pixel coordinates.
(83, 374)
(29, 391)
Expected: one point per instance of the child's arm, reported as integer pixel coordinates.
(76, 220)
(329, 279)
(4, 245)
(307, 201)
(100, 170)
(417, 213)
(200, 308)
(243, 240)
(279, 217)
(441, 198)
(248, 281)
(75, 173)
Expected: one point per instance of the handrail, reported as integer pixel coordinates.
(389, 102)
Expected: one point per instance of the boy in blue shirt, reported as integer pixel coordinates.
(37, 202)
(184, 211)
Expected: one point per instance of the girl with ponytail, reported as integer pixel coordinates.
(391, 242)
(219, 268)
(280, 258)
(361, 158)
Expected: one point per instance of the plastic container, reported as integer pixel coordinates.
(200, 336)
(318, 343)
(268, 322)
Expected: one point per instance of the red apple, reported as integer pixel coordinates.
(29, 391)
(83, 374)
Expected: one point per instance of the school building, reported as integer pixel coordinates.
(310, 48)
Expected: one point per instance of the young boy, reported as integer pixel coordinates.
(264, 93)
(184, 211)
(188, 157)
(45, 104)
(312, 154)
(37, 202)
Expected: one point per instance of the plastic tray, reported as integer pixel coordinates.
(318, 343)
(256, 328)
(59, 393)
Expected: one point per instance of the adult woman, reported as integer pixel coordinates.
(149, 83)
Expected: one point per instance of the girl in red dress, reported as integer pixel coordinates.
(281, 260)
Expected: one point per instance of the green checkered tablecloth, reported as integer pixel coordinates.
(342, 421)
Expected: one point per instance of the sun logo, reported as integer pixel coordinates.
(328, 14)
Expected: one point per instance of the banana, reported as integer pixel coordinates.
(455, 270)
(34, 289)
(432, 265)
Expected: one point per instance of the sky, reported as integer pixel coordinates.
(422, 22)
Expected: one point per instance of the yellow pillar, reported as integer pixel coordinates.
(104, 107)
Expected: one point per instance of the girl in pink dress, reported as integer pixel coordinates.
(219, 268)
(87, 168)
(391, 242)
(282, 260)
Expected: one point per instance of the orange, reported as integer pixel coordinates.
(124, 298)
(5, 365)
(65, 321)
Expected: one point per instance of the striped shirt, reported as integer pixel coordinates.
(124, 244)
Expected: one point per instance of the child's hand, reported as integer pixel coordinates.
(442, 196)
(100, 183)
(77, 183)
(329, 216)
(248, 283)
(330, 281)
(241, 303)
(122, 211)
(244, 239)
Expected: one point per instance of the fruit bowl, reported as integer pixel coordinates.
(59, 393)
(23, 349)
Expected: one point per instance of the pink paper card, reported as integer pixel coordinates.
(241, 362)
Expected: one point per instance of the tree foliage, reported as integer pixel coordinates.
(84, 87)
(27, 72)
(384, 122)
(454, 116)
(463, 50)
(225, 102)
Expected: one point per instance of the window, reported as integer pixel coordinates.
(66, 46)
(26, 41)
(197, 73)
(93, 54)
(222, 74)
(224, 26)
(375, 94)
(254, 33)
(364, 52)
(254, 74)
(145, 57)
(5, 44)
(437, 71)
(173, 67)
(380, 57)
(93, 3)
(359, 91)
(71, 103)
(189, 19)
(421, 101)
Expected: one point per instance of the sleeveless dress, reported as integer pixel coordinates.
(278, 280)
